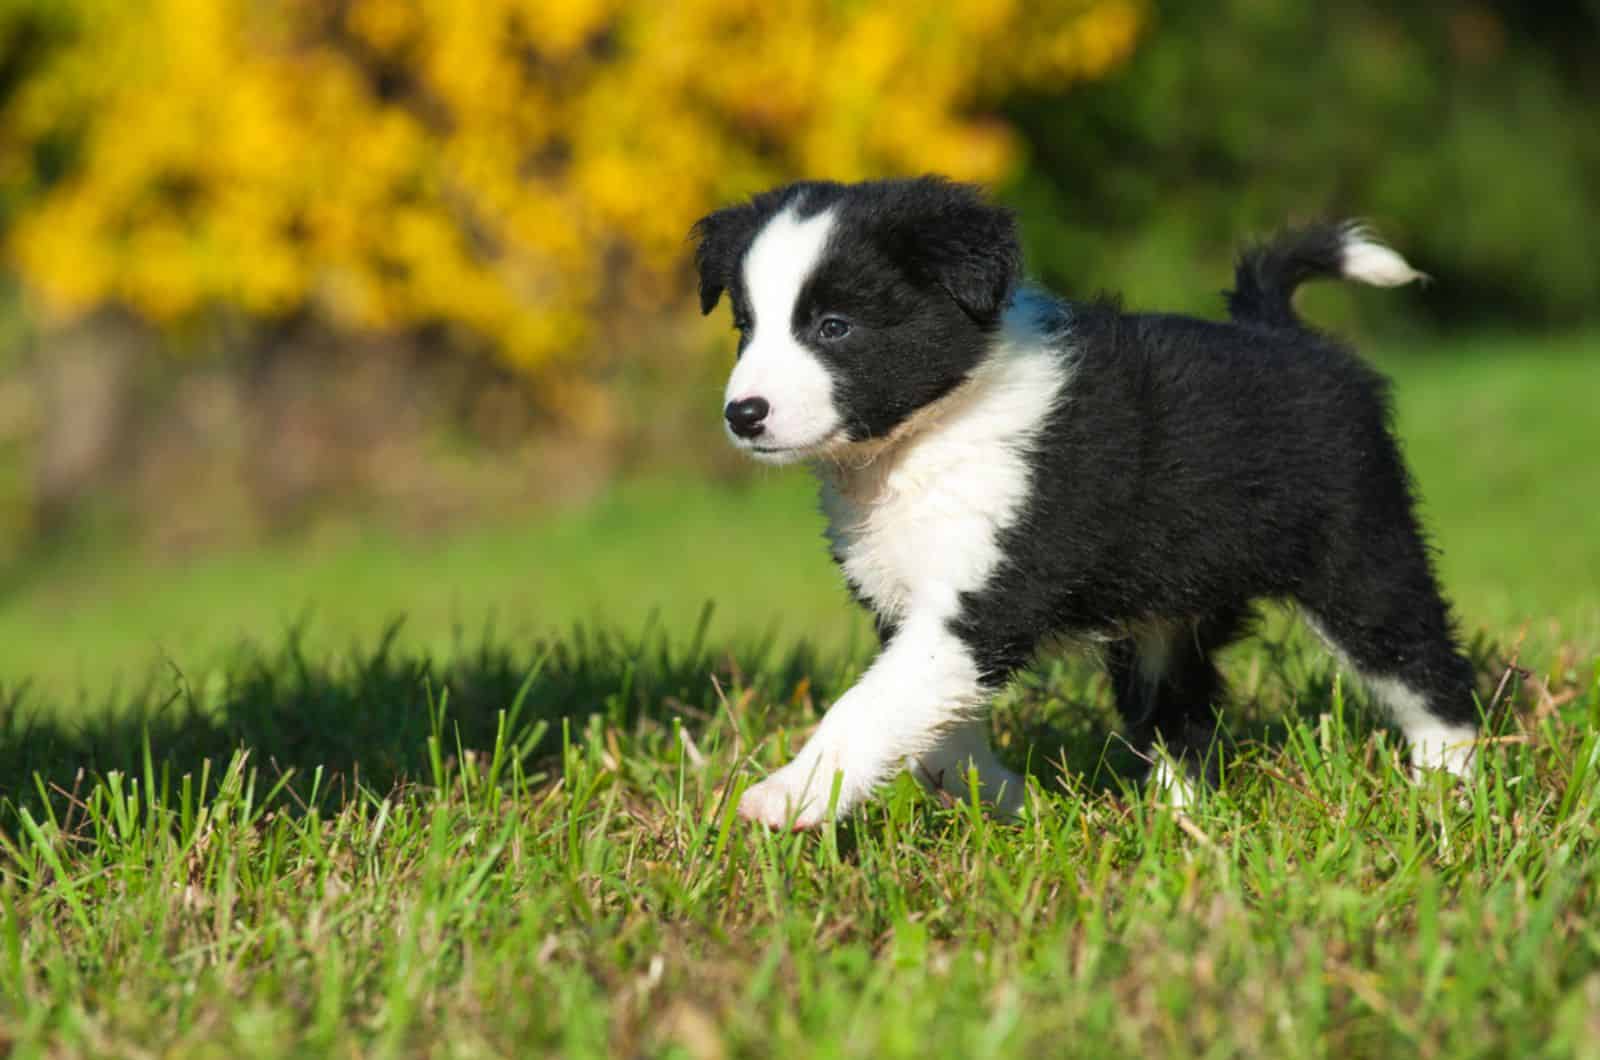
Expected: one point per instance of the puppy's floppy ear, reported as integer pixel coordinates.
(721, 238)
(948, 234)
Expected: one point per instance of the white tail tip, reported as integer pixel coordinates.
(1366, 260)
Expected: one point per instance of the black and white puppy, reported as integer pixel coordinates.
(999, 467)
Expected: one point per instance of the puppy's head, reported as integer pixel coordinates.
(856, 305)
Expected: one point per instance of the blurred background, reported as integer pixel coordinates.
(321, 313)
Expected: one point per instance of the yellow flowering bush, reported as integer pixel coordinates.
(509, 168)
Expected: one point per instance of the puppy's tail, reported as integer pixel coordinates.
(1266, 276)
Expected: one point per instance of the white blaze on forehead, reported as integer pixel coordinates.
(781, 258)
(775, 366)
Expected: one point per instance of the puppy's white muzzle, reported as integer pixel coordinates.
(793, 393)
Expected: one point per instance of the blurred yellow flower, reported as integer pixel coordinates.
(514, 167)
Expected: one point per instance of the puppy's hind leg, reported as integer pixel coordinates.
(1392, 627)
(1168, 690)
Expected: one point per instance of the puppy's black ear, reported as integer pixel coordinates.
(721, 239)
(949, 235)
(719, 242)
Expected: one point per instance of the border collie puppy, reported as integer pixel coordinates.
(999, 467)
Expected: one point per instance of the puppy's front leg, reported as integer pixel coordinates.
(923, 683)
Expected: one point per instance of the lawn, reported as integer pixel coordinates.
(1502, 439)
(475, 837)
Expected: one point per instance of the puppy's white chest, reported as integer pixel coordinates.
(923, 527)
(926, 517)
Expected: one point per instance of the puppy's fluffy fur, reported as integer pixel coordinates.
(999, 466)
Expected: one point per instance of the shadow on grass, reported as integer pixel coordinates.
(1058, 722)
(365, 719)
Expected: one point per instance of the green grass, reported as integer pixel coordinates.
(83, 623)
(540, 857)
(1501, 437)
(473, 837)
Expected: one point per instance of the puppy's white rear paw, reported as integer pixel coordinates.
(1173, 783)
(779, 802)
(1446, 747)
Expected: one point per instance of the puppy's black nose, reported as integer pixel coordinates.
(744, 417)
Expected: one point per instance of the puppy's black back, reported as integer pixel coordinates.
(1193, 467)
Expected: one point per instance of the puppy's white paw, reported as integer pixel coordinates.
(1172, 783)
(784, 801)
(1446, 747)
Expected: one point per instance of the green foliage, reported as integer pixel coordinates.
(30, 33)
(1464, 130)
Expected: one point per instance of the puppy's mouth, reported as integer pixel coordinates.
(781, 454)
(769, 453)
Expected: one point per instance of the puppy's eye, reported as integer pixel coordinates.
(833, 328)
